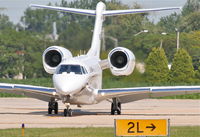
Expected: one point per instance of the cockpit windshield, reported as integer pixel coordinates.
(76, 69)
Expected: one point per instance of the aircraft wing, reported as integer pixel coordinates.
(133, 11)
(41, 93)
(64, 9)
(126, 95)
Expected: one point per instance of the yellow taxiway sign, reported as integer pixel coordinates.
(141, 127)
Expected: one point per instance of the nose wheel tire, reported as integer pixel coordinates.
(115, 107)
(67, 112)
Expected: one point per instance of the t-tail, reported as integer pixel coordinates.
(100, 14)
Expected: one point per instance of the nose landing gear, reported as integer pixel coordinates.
(67, 111)
(115, 107)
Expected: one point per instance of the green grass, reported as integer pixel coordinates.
(10, 95)
(89, 132)
(189, 96)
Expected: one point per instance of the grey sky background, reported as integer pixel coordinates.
(15, 8)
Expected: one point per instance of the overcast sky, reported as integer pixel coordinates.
(15, 8)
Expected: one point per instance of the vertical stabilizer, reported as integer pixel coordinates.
(96, 39)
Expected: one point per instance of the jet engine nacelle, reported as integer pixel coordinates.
(121, 61)
(53, 56)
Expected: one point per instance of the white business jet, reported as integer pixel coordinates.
(78, 80)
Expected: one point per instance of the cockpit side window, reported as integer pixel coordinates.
(77, 69)
(84, 70)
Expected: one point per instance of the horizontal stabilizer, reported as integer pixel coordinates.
(105, 13)
(64, 9)
(134, 11)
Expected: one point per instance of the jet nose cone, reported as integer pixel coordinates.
(69, 84)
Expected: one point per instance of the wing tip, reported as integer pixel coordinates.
(30, 5)
(33, 5)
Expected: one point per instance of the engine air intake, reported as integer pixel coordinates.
(53, 58)
(119, 59)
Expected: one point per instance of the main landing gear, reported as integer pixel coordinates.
(115, 107)
(53, 106)
(67, 111)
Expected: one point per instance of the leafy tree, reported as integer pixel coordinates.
(21, 52)
(34, 45)
(157, 67)
(9, 60)
(5, 23)
(143, 43)
(187, 21)
(198, 73)
(123, 27)
(182, 70)
(76, 37)
(196, 62)
(191, 22)
(8, 64)
(39, 20)
(190, 7)
(169, 23)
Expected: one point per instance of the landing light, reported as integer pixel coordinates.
(102, 93)
(54, 93)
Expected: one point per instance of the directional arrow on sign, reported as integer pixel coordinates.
(152, 126)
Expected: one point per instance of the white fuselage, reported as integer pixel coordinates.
(79, 88)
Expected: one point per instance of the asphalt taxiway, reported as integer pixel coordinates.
(32, 112)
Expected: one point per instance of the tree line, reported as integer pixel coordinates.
(181, 70)
(22, 44)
